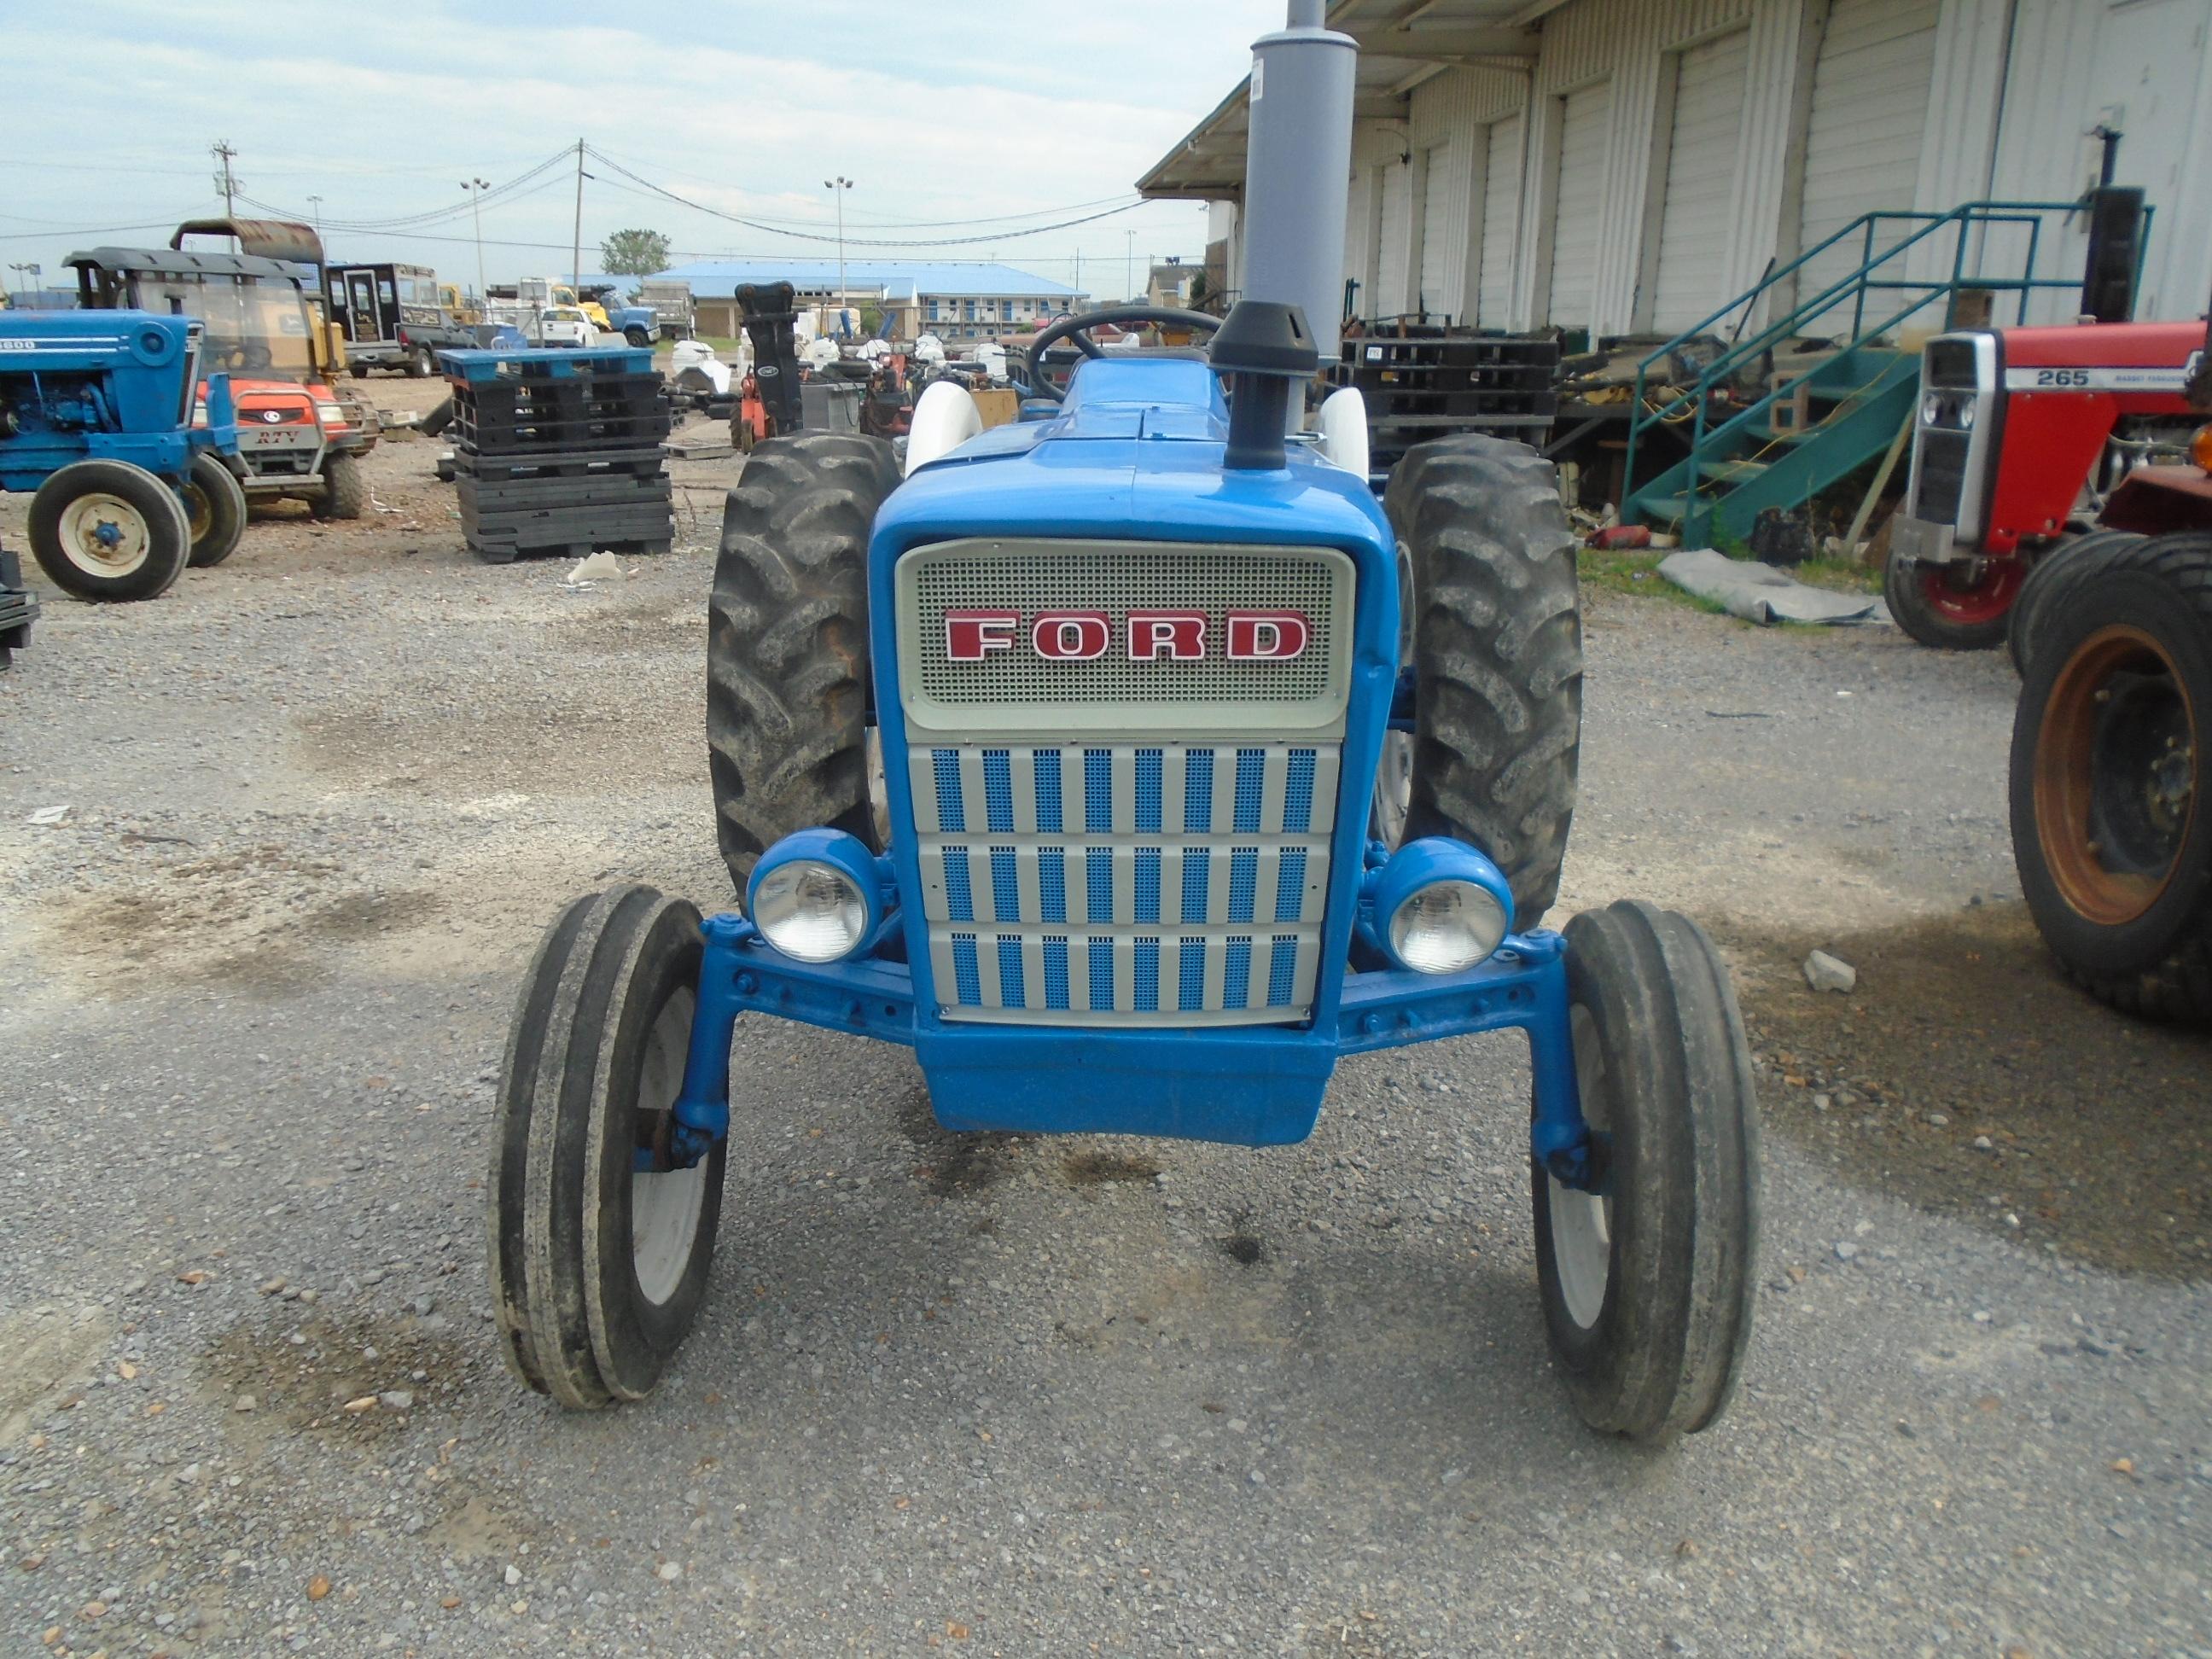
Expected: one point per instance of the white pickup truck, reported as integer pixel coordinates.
(546, 325)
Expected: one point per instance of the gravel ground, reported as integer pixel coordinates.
(1000, 1394)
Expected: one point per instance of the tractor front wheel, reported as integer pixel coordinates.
(215, 510)
(1941, 606)
(345, 488)
(1648, 1286)
(2112, 822)
(599, 1240)
(1489, 625)
(107, 529)
(787, 643)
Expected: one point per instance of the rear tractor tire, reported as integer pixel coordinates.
(2053, 580)
(2112, 817)
(787, 704)
(599, 1267)
(345, 488)
(1648, 1288)
(215, 510)
(109, 531)
(1934, 606)
(1490, 624)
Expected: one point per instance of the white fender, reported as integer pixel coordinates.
(1341, 420)
(944, 419)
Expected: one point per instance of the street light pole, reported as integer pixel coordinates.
(837, 187)
(476, 188)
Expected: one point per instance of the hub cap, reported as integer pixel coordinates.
(1581, 1223)
(664, 1205)
(2116, 776)
(104, 534)
(1969, 600)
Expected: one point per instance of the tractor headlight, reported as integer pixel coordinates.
(1447, 925)
(816, 895)
(1967, 415)
(1439, 907)
(1931, 410)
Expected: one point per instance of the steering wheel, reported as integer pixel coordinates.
(1078, 330)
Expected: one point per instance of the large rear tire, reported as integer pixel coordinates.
(1648, 1291)
(215, 510)
(109, 531)
(787, 643)
(1492, 630)
(2045, 590)
(345, 488)
(1933, 606)
(2111, 819)
(599, 1267)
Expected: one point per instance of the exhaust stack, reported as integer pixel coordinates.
(1297, 169)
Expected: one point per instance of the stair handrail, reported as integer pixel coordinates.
(1967, 216)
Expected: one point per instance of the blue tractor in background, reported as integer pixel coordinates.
(1201, 770)
(97, 419)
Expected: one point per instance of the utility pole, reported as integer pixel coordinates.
(476, 188)
(315, 206)
(1129, 267)
(222, 152)
(576, 251)
(837, 187)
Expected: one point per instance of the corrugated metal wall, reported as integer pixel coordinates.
(2012, 85)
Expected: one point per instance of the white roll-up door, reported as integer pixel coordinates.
(1443, 228)
(1702, 155)
(1578, 206)
(1870, 88)
(1501, 214)
(1397, 240)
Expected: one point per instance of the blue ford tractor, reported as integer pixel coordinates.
(97, 419)
(1201, 770)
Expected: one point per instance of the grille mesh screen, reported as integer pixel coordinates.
(1073, 576)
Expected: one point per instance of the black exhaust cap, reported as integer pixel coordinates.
(1263, 350)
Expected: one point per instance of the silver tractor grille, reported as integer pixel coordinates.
(1120, 841)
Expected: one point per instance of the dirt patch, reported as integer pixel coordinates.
(44, 1354)
(1967, 1074)
(248, 920)
(955, 1165)
(551, 740)
(649, 626)
(1103, 1169)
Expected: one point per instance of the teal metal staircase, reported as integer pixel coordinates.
(1913, 268)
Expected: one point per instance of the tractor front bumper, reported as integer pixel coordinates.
(1926, 541)
(1259, 1086)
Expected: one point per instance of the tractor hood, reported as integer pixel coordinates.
(1135, 451)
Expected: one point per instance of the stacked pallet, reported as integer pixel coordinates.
(1422, 380)
(559, 451)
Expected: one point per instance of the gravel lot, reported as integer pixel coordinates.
(1005, 1395)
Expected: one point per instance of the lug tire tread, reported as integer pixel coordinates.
(1498, 655)
(787, 642)
(2053, 579)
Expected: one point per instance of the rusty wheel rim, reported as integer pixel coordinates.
(2116, 776)
(1983, 599)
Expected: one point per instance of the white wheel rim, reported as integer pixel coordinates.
(1581, 1223)
(104, 534)
(665, 1205)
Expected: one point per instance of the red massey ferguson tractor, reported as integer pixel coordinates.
(2111, 629)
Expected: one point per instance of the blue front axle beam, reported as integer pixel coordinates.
(1524, 984)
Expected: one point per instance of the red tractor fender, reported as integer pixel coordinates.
(2160, 500)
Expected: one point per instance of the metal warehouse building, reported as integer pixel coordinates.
(1620, 165)
(955, 299)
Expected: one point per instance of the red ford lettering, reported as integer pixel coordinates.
(1071, 636)
(971, 635)
(1181, 633)
(1266, 636)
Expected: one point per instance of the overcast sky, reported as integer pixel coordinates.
(966, 111)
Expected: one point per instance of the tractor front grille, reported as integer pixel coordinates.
(1940, 481)
(1163, 883)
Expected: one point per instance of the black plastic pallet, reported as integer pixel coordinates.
(532, 437)
(567, 463)
(593, 489)
(540, 529)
